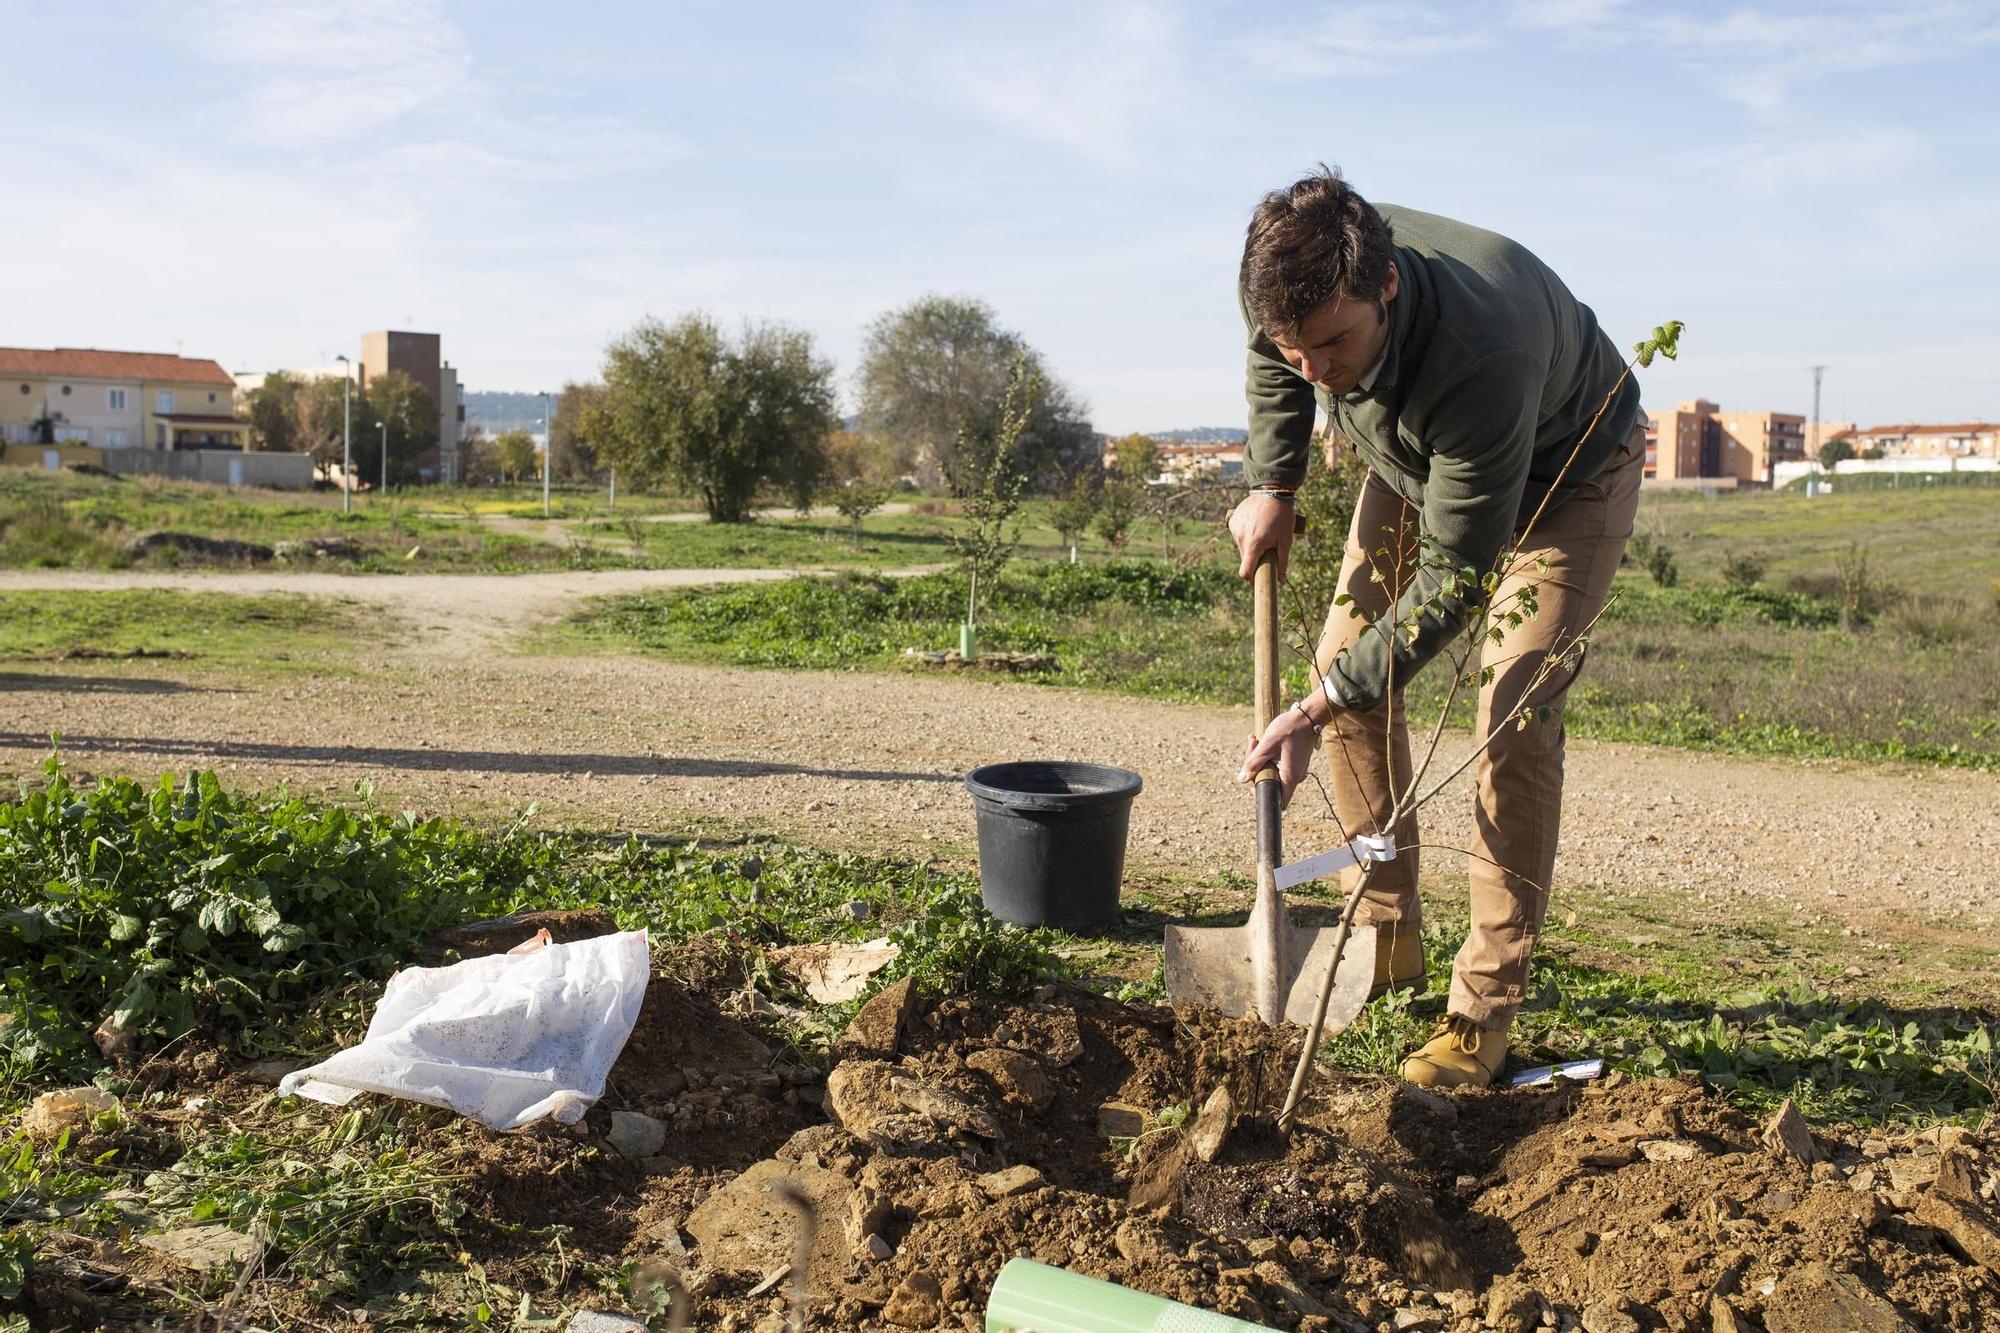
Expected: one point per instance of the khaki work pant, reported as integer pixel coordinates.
(1517, 804)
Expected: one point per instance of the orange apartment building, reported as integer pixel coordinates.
(1699, 440)
(1962, 439)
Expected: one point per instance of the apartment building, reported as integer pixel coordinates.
(1963, 439)
(1698, 440)
(420, 356)
(117, 400)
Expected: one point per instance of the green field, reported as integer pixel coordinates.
(247, 631)
(1941, 541)
(1698, 666)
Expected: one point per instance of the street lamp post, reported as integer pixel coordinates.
(548, 449)
(385, 457)
(346, 433)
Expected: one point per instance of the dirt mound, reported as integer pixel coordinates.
(1613, 1206)
(1135, 1144)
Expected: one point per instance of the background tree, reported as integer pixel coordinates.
(1071, 512)
(482, 456)
(578, 431)
(410, 413)
(1117, 510)
(1835, 451)
(318, 405)
(942, 361)
(719, 417)
(1136, 457)
(273, 408)
(515, 450)
(859, 475)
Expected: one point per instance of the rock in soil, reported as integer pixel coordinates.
(745, 1227)
(1786, 1135)
(1816, 1298)
(202, 1248)
(1020, 1078)
(597, 1321)
(1512, 1307)
(916, 1302)
(873, 1031)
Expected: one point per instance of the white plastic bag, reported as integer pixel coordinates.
(506, 1039)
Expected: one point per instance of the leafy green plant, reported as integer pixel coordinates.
(1743, 569)
(1660, 564)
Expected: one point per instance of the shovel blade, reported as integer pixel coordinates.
(1210, 966)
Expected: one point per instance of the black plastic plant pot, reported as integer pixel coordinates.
(1052, 840)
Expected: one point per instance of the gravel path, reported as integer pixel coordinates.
(444, 719)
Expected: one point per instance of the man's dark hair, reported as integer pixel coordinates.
(1307, 244)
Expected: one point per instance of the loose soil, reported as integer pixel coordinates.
(1616, 1205)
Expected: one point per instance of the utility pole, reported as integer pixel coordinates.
(1818, 443)
(346, 433)
(385, 458)
(548, 449)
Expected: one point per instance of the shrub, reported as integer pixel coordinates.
(1660, 564)
(1859, 595)
(1743, 569)
(1933, 621)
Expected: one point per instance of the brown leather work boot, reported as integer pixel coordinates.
(1460, 1054)
(1399, 962)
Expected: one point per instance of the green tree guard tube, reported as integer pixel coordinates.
(1034, 1298)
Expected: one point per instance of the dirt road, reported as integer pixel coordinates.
(449, 721)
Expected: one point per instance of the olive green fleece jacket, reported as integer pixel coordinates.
(1492, 374)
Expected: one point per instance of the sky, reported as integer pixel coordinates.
(260, 182)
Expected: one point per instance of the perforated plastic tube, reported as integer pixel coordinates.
(1034, 1298)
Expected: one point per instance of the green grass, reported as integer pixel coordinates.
(1937, 540)
(250, 630)
(1840, 1060)
(1754, 671)
(1136, 626)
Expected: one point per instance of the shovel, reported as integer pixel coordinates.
(1269, 967)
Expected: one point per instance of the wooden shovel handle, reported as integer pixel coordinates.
(1265, 615)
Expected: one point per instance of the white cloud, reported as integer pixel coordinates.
(320, 72)
(1363, 40)
(1089, 80)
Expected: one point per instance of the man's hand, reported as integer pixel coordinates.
(1259, 524)
(1288, 743)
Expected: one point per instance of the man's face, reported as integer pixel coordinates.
(1338, 342)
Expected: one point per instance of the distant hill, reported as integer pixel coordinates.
(496, 410)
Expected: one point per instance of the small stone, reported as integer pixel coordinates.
(202, 1248)
(947, 1108)
(858, 912)
(878, 1249)
(1786, 1135)
(1861, 1180)
(1965, 1224)
(65, 1109)
(1669, 1150)
(635, 1135)
(917, 1302)
(1722, 1317)
(1909, 1174)
(1210, 1132)
(1609, 1156)
(272, 1072)
(1120, 1120)
(1011, 1181)
(600, 1321)
(1613, 1315)
(878, 1024)
(1020, 1078)
(1512, 1306)
(1816, 1298)
(1409, 1320)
